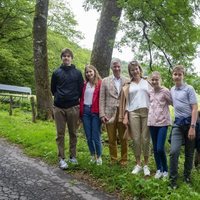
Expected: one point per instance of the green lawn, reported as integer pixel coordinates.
(38, 140)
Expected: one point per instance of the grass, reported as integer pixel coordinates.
(38, 140)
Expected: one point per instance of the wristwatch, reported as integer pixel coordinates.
(192, 125)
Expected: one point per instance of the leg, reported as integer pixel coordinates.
(112, 137)
(145, 138)
(60, 121)
(189, 154)
(87, 125)
(154, 137)
(124, 143)
(72, 123)
(162, 134)
(96, 134)
(176, 142)
(135, 128)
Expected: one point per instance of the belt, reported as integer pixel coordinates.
(87, 105)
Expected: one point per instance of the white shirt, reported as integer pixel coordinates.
(88, 95)
(117, 83)
(138, 96)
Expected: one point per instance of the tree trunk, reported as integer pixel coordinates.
(105, 36)
(43, 94)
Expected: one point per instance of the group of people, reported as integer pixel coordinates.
(135, 109)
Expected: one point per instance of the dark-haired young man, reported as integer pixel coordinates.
(66, 86)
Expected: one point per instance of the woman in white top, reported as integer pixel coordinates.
(89, 113)
(136, 113)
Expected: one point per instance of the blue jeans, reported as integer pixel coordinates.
(158, 135)
(92, 128)
(180, 137)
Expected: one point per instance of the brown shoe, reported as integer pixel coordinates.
(123, 163)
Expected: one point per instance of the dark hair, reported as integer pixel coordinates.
(66, 51)
(134, 64)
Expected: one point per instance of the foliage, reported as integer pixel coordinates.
(160, 30)
(16, 55)
(93, 4)
(38, 140)
(61, 20)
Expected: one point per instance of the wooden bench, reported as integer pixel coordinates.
(12, 94)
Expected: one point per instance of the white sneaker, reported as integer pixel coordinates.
(165, 174)
(73, 160)
(136, 169)
(158, 174)
(93, 160)
(63, 164)
(99, 161)
(146, 170)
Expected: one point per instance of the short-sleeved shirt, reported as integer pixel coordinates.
(183, 98)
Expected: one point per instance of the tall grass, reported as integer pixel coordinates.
(38, 140)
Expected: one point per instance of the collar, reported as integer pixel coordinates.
(115, 79)
(180, 87)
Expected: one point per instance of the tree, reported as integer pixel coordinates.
(15, 40)
(44, 97)
(61, 20)
(161, 30)
(105, 36)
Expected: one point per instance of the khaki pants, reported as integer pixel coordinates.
(112, 130)
(139, 131)
(69, 116)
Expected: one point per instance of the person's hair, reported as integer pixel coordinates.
(115, 60)
(156, 73)
(134, 64)
(178, 68)
(97, 77)
(66, 51)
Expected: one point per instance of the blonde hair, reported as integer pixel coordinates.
(179, 68)
(134, 64)
(97, 77)
(156, 73)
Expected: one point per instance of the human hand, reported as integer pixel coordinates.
(104, 119)
(191, 133)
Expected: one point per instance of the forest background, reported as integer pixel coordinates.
(151, 30)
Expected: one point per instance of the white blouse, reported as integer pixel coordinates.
(138, 96)
(88, 95)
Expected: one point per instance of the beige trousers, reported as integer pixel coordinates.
(115, 129)
(139, 131)
(69, 116)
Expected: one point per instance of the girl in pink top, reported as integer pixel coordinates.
(158, 122)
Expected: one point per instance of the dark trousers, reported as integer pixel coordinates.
(179, 137)
(158, 136)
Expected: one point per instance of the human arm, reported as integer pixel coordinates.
(81, 84)
(53, 83)
(168, 96)
(102, 102)
(191, 132)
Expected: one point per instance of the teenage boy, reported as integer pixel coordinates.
(186, 108)
(66, 86)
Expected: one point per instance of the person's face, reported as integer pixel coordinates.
(66, 59)
(116, 68)
(135, 71)
(177, 77)
(155, 81)
(89, 73)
